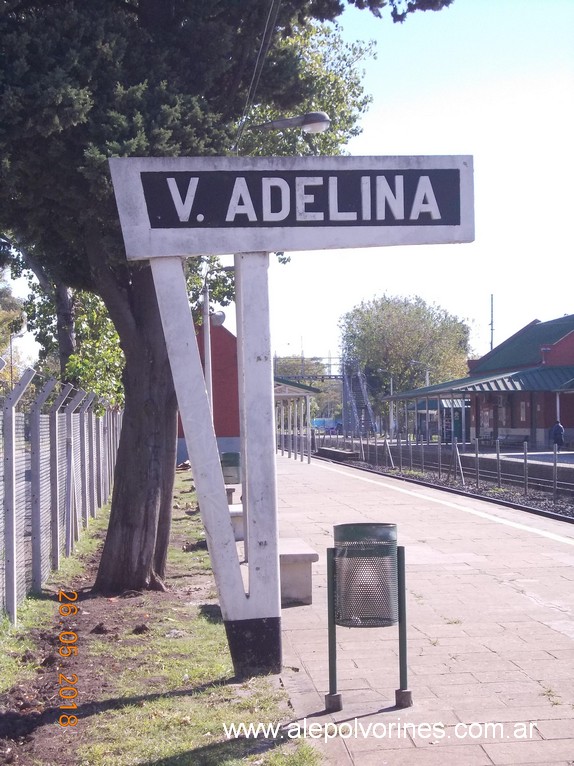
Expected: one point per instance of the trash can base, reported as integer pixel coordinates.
(403, 698)
(333, 703)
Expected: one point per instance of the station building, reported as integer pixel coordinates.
(514, 393)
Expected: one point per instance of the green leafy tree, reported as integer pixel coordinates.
(98, 362)
(314, 371)
(404, 338)
(84, 81)
(10, 312)
(334, 68)
(50, 312)
(11, 319)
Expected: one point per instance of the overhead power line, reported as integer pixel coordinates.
(258, 68)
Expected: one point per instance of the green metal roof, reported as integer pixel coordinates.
(534, 379)
(295, 384)
(523, 348)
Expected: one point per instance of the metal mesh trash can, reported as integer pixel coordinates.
(231, 467)
(366, 585)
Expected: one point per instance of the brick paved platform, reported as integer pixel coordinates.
(490, 602)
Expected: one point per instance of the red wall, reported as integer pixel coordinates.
(225, 380)
(562, 353)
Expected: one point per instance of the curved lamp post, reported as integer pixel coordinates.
(311, 122)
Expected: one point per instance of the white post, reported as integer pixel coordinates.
(252, 286)
(252, 624)
(242, 418)
(195, 414)
(207, 344)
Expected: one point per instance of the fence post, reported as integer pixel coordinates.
(477, 464)
(309, 429)
(289, 428)
(439, 456)
(105, 449)
(555, 473)
(11, 552)
(84, 459)
(458, 461)
(525, 467)
(36, 485)
(55, 473)
(98, 482)
(71, 488)
(92, 462)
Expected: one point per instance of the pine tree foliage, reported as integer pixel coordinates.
(81, 82)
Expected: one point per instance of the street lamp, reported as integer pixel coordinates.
(311, 122)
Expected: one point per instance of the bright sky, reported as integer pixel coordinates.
(490, 78)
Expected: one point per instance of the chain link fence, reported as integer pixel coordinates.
(58, 447)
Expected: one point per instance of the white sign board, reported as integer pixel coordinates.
(214, 205)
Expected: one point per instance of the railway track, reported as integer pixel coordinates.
(538, 499)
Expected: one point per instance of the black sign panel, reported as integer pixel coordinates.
(315, 198)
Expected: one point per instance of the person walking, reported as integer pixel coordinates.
(557, 434)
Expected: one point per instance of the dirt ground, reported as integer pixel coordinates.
(30, 729)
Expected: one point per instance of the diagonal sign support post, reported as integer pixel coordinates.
(173, 208)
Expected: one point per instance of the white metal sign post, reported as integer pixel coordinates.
(172, 208)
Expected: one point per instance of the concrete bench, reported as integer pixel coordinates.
(510, 440)
(236, 513)
(295, 560)
(337, 454)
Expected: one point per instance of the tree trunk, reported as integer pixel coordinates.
(66, 330)
(135, 550)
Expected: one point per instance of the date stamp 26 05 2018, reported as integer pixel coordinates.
(69, 647)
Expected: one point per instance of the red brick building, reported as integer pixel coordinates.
(515, 392)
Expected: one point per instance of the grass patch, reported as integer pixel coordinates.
(155, 679)
(156, 688)
(18, 661)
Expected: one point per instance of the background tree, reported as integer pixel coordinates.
(328, 401)
(334, 68)
(10, 312)
(11, 319)
(404, 337)
(81, 82)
